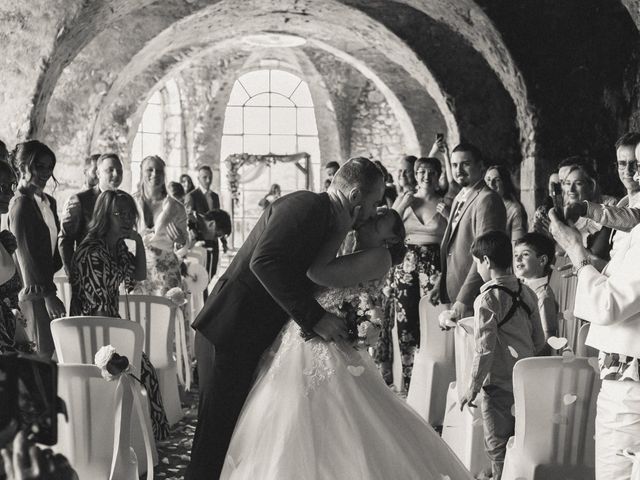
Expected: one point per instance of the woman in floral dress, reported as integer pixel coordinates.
(417, 274)
(100, 264)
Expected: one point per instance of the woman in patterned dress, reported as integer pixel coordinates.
(100, 264)
(416, 276)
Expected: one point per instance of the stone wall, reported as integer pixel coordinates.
(375, 132)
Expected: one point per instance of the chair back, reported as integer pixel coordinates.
(437, 342)
(87, 440)
(199, 254)
(555, 408)
(157, 316)
(64, 289)
(464, 351)
(77, 339)
(582, 349)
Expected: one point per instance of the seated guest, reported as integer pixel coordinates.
(176, 191)
(533, 256)
(78, 210)
(610, 302)
(163, 226)
(506, 319)
(499, 180)
(34, 222)
(101, 263)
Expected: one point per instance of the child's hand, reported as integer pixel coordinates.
(468, 399)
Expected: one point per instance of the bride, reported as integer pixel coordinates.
(321, 410)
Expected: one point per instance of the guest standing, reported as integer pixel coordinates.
(610, 302)
(418, 274)
(78, 210)
(187, 183)
(34, 222)
(100, 264)
(12, 327)
(200, 201)
(499, 180)
(274, 193)
(163, 223)
(476, 210)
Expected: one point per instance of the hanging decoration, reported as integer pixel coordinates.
(237, 160)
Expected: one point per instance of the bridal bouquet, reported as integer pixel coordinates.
(364, 320)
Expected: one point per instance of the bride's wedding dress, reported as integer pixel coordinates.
(321, 411)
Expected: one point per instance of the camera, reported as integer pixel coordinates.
(29, 397)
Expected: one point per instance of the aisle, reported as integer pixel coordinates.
(174, 452)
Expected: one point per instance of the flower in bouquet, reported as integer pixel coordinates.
(177, 296)
(364, 320)
(110, 363)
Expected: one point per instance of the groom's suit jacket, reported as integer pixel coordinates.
(482, 212)
(266, 283)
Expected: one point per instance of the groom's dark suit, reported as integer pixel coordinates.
(265, 285)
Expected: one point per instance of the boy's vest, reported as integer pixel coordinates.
(517, 302)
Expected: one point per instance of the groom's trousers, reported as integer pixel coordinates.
(225, 380)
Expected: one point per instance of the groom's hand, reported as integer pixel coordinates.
(331, 328)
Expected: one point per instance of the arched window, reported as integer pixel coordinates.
(160, 132)
(269, 111)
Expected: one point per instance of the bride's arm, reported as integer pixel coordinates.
(349, 270)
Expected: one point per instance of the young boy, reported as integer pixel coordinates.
(506, 328)
(533, 256)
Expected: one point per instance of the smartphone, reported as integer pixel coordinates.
(439, 137)
(558, 201)
(29, 396)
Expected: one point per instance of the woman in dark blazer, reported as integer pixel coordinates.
(34, 222)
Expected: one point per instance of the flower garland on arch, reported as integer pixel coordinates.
(237, 160)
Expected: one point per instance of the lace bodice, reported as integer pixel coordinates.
(332, 298)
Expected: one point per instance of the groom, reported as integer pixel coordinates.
(265, 285)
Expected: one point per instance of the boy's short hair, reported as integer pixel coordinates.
(496, 246)
(542, 245)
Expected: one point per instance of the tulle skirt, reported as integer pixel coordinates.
(321, 411)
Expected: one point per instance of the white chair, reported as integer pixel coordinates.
(462, 430)
(77, 339)
(433, 366)
(555, 406)
(64, 288)
(582, 349)
(93, 440)
(159, 318)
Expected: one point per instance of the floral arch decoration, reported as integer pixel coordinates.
(237, 160)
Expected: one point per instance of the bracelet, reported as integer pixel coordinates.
(581, 265)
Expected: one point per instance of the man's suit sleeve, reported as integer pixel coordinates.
(489, 215)
(69, 226)
(292, 228)
(216, 201)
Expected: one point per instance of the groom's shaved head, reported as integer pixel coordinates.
(357, 172)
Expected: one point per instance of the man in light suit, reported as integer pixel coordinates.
(476, 210)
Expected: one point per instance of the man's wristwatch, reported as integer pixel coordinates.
(581, 265)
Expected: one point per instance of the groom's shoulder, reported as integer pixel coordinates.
(302, 199)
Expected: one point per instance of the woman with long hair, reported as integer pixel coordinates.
(163, 226)
(499, 180)
(274, 193)
(33, 220)
(100, 264)
(187, 183)
(418, 274)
